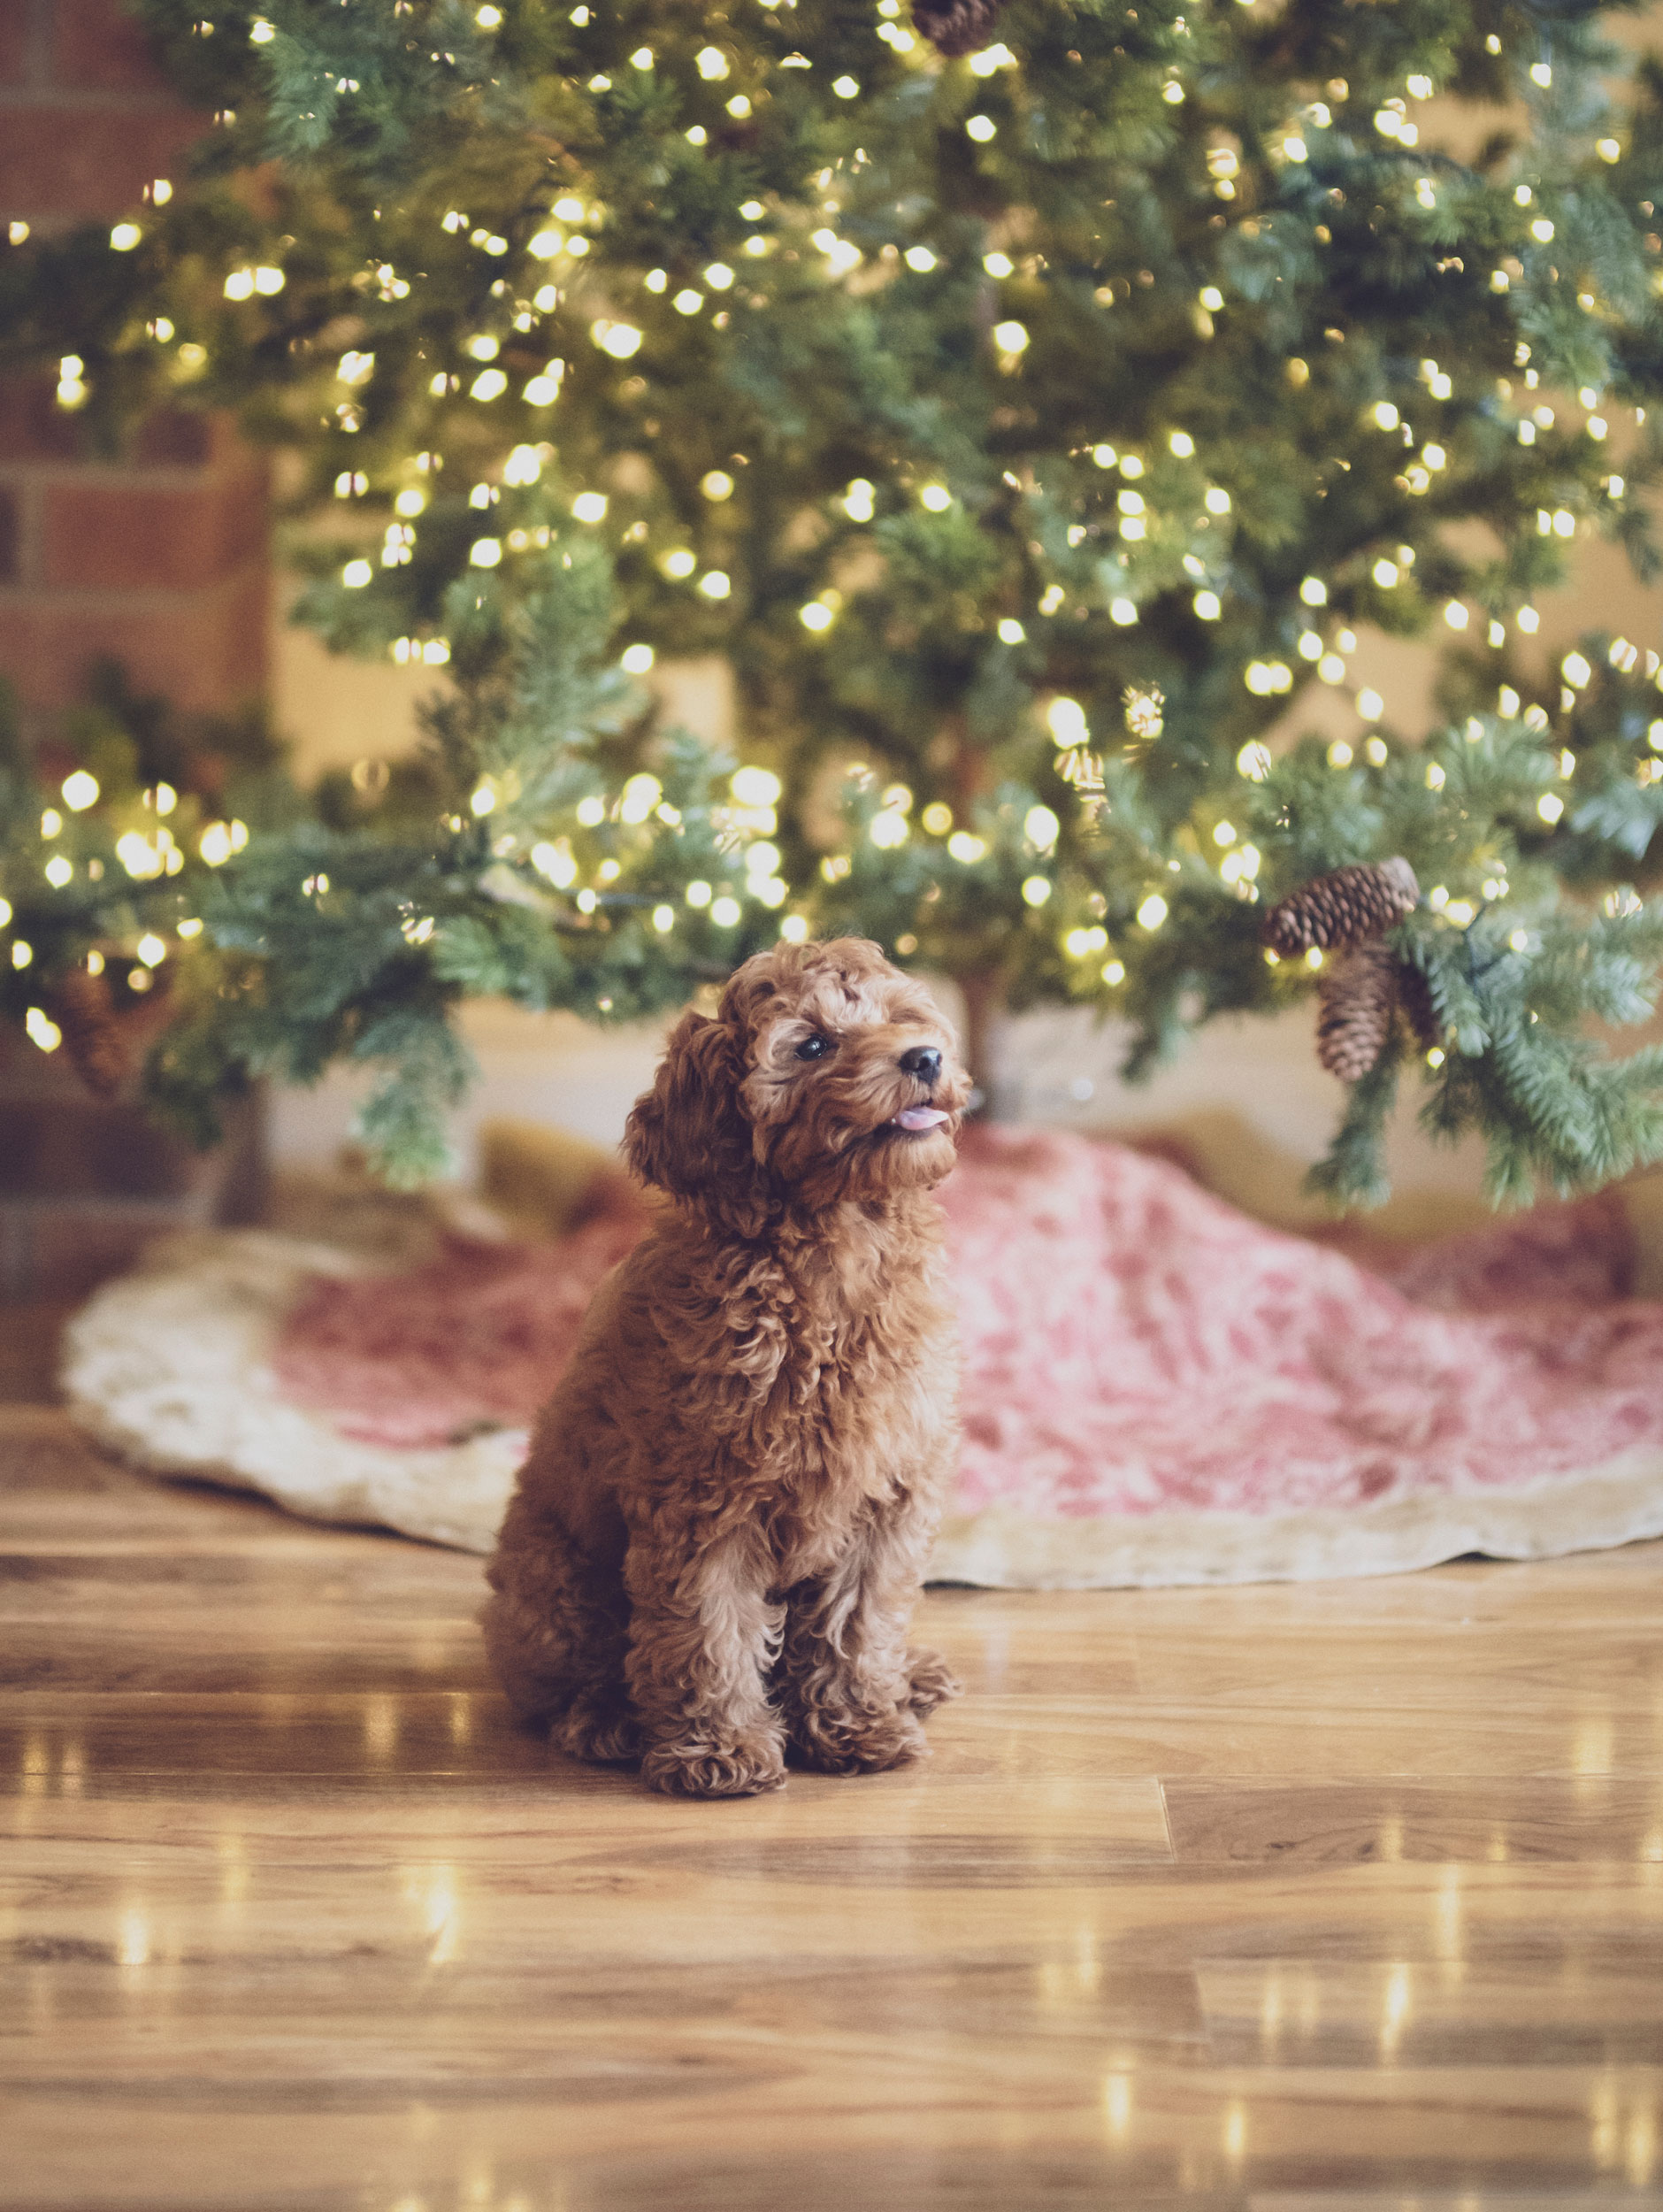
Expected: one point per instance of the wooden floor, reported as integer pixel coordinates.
(1341, 1896)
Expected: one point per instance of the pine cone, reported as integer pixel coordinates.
(85, 1011)
(1356, 1001)
(1342, 908)
(956, 26)
(1414, 997)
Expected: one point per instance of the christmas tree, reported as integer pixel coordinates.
(1029, 404)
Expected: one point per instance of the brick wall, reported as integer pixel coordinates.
(160, 557)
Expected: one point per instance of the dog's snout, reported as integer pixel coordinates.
(924, 1061)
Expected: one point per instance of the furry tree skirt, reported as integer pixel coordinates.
(1157, 1389)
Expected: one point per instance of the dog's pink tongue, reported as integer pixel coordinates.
(919, 1118)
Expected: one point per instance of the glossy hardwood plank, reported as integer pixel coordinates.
(839, 2134)
(1400, 2200)
(1578, 1819)
(1434, 2014)
(1328, 1740)
(1336, 1897)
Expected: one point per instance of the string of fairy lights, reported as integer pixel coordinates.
(1146, 511)
(151, 838)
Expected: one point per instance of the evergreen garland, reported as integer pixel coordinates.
(1027, 430)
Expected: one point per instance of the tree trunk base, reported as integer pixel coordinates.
(984, 995)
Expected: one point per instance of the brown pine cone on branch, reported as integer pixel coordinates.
(956, 26)
(1357, 1002)
(1344, 906)
(1414, 997)
(84, 1010)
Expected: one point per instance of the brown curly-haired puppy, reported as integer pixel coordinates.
(715, 1545)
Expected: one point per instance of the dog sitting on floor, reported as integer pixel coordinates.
(713, 1551)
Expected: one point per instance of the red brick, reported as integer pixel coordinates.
(57, 1248)
(96, 42)
(172, 439)
(72, 1148)
(59, 1253)
(80, 163)
(103, 537)
(200, 649)
(33, 427)
(14, 41)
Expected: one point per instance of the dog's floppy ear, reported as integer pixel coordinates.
(689, 1134)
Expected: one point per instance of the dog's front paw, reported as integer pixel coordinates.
(933, 1681)
(695, 1770)
(859, 1743)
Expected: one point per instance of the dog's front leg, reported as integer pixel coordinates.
(704, 1637)
(851, 1702)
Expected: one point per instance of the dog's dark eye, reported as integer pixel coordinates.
(815, 1048)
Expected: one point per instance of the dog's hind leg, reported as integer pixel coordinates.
(557, 1632)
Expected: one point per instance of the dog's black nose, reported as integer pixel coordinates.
(923, 1061)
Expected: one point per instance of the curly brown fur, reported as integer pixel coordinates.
(716, 1546)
